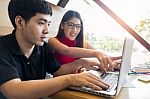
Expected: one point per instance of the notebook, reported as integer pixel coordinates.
(120, 76)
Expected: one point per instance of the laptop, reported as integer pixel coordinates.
(120, 76)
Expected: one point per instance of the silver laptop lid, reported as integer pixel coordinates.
(125, 63)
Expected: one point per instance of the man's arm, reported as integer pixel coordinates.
(70, 68)
(17, 89)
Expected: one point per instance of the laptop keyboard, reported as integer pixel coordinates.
(110, 79)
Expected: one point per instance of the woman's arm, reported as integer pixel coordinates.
(105, 60)
(71, 51)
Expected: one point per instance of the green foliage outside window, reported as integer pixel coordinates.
(143, 28)
(107, 43)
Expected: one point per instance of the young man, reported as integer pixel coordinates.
(25, 57)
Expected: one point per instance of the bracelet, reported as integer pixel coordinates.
(79, 70)
(82, 70)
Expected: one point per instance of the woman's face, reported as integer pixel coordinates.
(72, 28)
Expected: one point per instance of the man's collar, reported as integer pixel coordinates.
(15, 48)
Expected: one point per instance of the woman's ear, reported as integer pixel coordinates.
(62, 26)
(19, 21)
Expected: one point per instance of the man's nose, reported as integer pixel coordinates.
(46, 29)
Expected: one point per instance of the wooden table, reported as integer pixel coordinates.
(139, 91)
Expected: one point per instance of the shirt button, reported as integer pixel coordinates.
(28, 63)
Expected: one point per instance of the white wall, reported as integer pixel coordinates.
(5, 25)
(58, 13)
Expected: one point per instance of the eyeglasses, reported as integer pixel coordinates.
(71, 25)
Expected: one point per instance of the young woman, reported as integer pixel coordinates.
(69, 44)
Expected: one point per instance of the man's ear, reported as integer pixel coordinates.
(19, 22)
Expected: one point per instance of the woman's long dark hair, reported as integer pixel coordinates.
(67, 16)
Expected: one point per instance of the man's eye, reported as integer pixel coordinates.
(41, 23)
(48, 24)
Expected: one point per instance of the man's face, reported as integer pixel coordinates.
(36, 29)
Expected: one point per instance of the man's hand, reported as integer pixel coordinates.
(89, 64)
(87, 79)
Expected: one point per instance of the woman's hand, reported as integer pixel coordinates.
(106, 61)
(117, 64)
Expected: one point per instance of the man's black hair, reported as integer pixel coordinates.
(27, 9)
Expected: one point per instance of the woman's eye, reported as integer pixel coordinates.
(78, 26)
(71, 25)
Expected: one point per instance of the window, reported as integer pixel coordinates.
(103, 32)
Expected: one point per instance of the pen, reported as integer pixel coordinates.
(146, 73)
